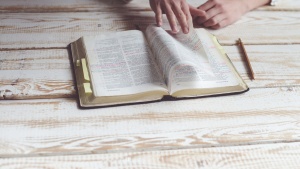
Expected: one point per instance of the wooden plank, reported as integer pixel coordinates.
(275, 156)
(57, 126)
(57, 30)
(283, 5)
(273, 65)
(67, 5)
(72, 6)
(28, 74)
(260, 27)
(105, 5)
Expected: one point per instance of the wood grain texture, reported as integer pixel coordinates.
(105, 5)
(57, 30)
(238, 131)
(73, 6)
(28, 74)
(273, 65)
(58, 127)
(268, 156)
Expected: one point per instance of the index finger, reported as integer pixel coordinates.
(182, 17)
(171, 17)
(158, 15)
(207, 5)
(196, 12)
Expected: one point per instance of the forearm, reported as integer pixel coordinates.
(253, 4)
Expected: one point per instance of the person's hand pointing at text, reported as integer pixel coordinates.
(178, 10)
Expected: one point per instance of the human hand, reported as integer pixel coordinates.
(221, 13)
(175, 9)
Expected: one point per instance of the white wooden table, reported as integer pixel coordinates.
(41, 125)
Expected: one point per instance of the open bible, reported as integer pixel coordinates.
(135, 66)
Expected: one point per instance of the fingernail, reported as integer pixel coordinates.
(159, 23)
(175, 30)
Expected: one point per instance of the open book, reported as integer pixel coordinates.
(135, 66)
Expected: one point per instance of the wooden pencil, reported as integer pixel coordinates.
(247, 59)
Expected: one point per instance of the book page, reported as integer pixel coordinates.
(168, 52)
(189, 62)
(121, 63)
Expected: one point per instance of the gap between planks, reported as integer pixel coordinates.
(67, 47)
(15, 6)
(126, 10)
(45, 48)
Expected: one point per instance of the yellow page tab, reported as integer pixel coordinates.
(85, 70)
(218, 44)
(87, 88)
